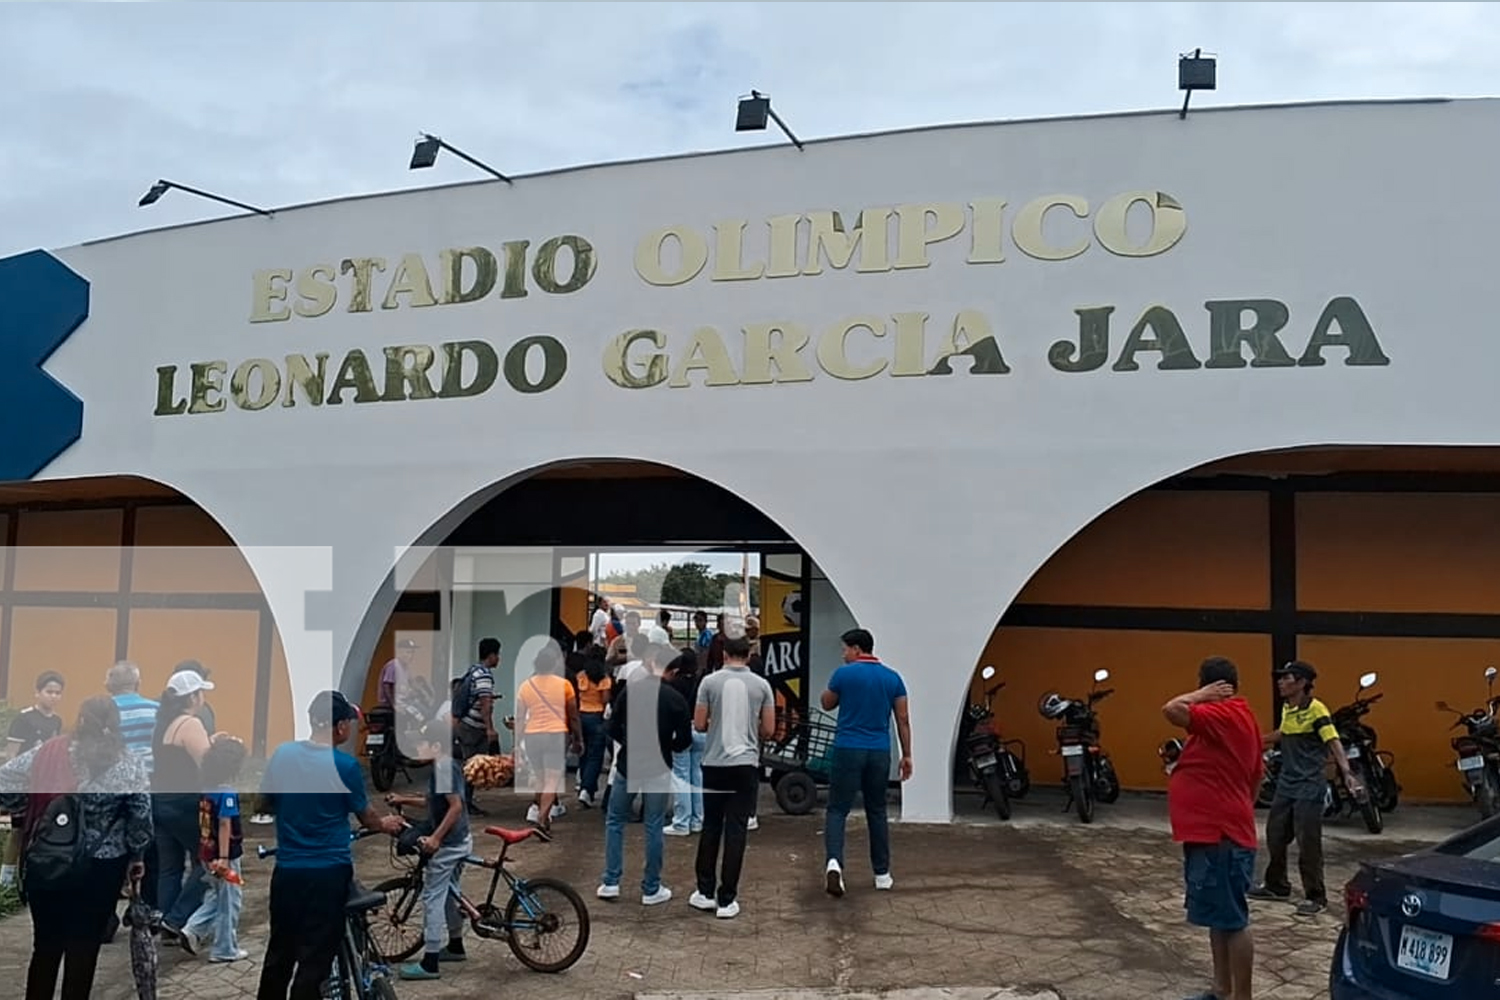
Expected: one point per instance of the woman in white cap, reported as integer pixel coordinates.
(177, 747)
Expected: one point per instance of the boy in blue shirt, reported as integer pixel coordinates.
(867, 693)
(446, 847)
(221, 845)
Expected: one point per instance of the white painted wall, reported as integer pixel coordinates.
(929, 501)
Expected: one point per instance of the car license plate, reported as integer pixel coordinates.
(988, 760)
(375, 740)
(1425, 952)
(1471, 763)
(1352, 753)
(1072, 751)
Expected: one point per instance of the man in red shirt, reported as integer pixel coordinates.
(1211, 801)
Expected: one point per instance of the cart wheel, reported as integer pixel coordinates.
(797, 793)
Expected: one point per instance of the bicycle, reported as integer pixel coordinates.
(527, 923)
(358, 961)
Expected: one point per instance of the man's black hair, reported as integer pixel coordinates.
(488, 648)
(51, 677)
(1218, 668)
(737, 648)
(860, 639)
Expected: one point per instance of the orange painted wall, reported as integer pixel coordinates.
(78, 643)
(1146, 670)
(574, 602)
(1399, 552)
(226, 642)
(1165, 550)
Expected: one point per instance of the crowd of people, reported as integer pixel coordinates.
(150, 789)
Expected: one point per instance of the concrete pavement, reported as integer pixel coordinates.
(1043, 907)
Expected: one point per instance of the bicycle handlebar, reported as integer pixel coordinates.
(263, 852)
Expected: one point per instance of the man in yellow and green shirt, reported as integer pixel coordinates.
(1307, 739)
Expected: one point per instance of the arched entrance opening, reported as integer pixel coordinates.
(526, 560)
(1370, 559)
(98, 570)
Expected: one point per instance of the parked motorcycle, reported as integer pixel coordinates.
(382, 746)
(1088, 773)
(1374, 768)
(993, 765)
(1271, 770)
(1479, 749)
(1170, 752)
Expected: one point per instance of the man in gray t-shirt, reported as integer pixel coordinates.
(737, 710)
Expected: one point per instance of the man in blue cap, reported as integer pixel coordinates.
(312, 788)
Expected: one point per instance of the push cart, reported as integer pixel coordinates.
(797, 761)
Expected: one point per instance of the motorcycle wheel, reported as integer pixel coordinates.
(1083, 797)
(1390, 791)
(1487, 795)
(994, 790)
(1020, 779)
(1107, 782)
(383, 772)
(1369, 806)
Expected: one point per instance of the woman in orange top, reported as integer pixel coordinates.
(595, 687)
(548, 723)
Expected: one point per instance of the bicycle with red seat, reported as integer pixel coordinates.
(545, 921)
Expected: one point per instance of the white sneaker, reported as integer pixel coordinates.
(675, 831)
(884, 881)
(239, 956)
(698, 901)
(608, 892)
(533, 815)
(833, 878)
(728, 912)
(658, 897)
(558, 809)
(262, 819)
(754, 824)
(585, 800)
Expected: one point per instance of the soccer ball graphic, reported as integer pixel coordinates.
(791, 608)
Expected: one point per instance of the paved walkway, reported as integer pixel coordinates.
(1046, 909)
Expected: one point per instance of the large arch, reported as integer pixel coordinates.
(94, 570)
(1356, 559)
(543, 520)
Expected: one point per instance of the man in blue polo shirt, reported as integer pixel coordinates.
(866, 693)
(312, 788)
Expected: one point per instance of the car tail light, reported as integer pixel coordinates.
(1355, 898)
(1489, 932)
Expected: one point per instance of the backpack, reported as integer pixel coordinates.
(54, 857)
(463, 698)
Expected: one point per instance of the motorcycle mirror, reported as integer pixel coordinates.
(1100, 676)
(987, 673)
(1368, 681)
(1443, 706)
(1490, 673)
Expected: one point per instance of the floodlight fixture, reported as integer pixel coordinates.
(425, 153)
(754, 111)
(1195, 72)
(161, 187)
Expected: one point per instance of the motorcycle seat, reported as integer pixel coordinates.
(362, 900)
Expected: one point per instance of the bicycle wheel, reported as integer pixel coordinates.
(396, 929)
(547, 924)
(381, 988)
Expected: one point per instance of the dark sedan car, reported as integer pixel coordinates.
(1424, 925)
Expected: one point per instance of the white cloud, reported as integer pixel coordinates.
(277, 104)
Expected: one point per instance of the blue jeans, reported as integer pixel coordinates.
(865, 772)
(219, 915)
(442, 920)
(1217, 877)
(687, 772)
(594, 742)
(177, 897)
(653, 815)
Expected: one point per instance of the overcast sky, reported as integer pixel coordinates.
(282, 103)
